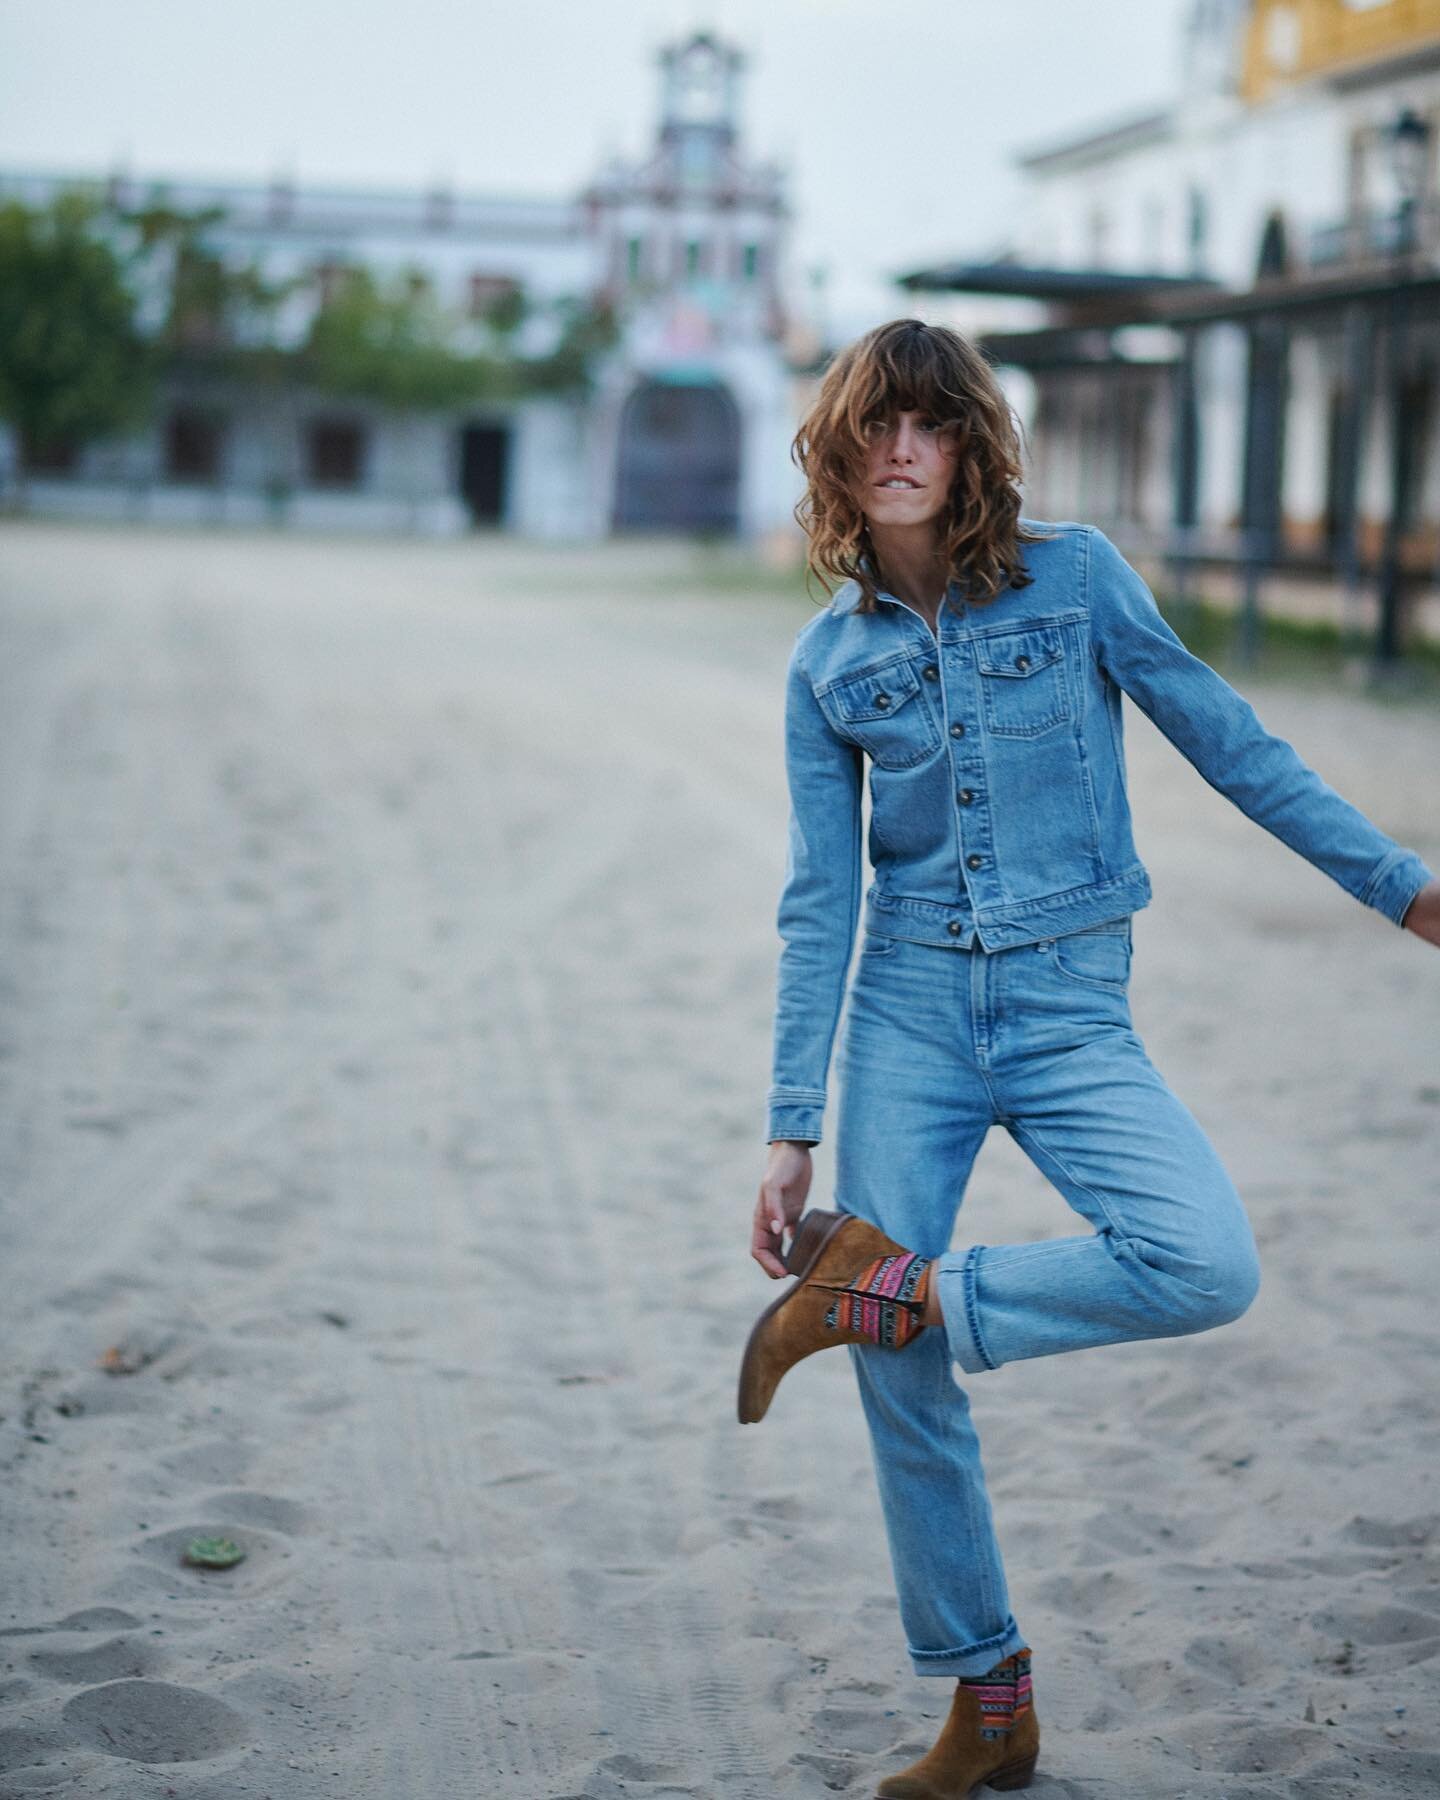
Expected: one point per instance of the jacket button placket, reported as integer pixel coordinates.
(973, 836)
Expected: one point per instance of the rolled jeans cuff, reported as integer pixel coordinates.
(972, 1659)
(957, 1272)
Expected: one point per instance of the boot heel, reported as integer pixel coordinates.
(1018, 1775)
(813, 1233)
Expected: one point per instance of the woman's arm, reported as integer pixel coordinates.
(1217, 729)
(819, 907)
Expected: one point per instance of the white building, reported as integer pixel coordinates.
(1216, 359)
(687, 426)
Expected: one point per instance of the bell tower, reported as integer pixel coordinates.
(699, 105)
(1214, 41)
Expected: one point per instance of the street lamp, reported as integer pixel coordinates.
(1408, 140)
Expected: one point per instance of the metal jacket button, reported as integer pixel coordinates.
(882, 699)
(955, 928)
(966, 796)
(973, 862)
(1022, 662)
(957, 729)
(930, 672)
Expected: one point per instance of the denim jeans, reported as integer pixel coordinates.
(938, 1045)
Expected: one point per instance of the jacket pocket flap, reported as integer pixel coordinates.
(1018, 653)
(874, 696)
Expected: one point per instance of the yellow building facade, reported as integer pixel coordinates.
(1290, 41)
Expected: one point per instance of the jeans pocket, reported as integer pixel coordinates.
(1097, 958)
(873, 944)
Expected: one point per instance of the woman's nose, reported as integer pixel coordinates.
(902, 445)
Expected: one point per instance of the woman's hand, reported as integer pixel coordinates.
(783, 1188)
(1422, 916)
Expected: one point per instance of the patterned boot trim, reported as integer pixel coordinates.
(886, 1300)
(1004, 1694)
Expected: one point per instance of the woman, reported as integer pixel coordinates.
(977, 661)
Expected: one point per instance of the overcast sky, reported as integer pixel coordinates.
(896, 124)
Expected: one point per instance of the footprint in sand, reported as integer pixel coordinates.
(835, 1771)
(1392, 1534)
(632, 1768)
(1157, 1684)
(153, 1722)
(1097, 1596)
(1378, 1625)
(1236, 1662)
(863, 1728)
(1224, 1744)
(212, 1459)
(108, 1661)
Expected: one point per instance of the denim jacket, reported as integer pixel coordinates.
(999, 812)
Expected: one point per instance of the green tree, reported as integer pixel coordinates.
(215, 309)
(396, 345)
(73, 364)
(590, 328)
(392, 344)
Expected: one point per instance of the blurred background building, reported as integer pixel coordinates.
(1219, 323)
(680, 417)
(1222, 318)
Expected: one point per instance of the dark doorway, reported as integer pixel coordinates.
(55, 456)
(193, 440)
(335, 453)
(484, 456)
(679, 461)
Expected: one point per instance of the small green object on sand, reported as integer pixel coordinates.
(213, 1552)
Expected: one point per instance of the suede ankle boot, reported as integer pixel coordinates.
(856, 1286)
(990, 1739)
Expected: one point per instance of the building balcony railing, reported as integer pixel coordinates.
(1376, 237)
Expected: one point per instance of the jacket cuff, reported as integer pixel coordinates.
(792, 1120)
(1394, 882)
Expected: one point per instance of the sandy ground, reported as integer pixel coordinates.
(386, 964)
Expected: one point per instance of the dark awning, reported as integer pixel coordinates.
(1039, 283)
(1143, 298)
(1075, 347)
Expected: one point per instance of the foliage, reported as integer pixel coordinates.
(396, 345)
(393, 344)
(72, 363)
(590, 330)
(211, 302)
(95, 303)
(507, 311)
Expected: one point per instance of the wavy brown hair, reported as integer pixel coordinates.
(908, 366)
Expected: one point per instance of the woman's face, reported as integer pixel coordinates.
(909, 465)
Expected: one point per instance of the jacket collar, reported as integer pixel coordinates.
(847, 596)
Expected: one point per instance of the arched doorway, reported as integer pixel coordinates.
(678, 467)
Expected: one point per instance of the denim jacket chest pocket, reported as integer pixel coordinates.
(884, 712)
(1023, 679)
